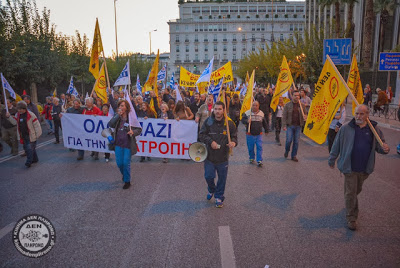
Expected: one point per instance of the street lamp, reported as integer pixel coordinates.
(150, 38)
(116, 37)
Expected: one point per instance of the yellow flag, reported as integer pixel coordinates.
(18, 98)
(248, 98)
(247, 79)
(100, 86)
(97, 48)
(151, 83)
(202, 87)
(329, 94)
(55, 93)
(354, 83)
(285, 81)
(152, 108)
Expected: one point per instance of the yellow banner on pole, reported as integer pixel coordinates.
(354, 83)
(188, 79)
(285, 81)
(329, 94)
(100, 86)
(97, 48)
(248, 98)
(151, 83)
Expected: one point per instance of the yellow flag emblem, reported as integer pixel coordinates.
(329, 94)
(97, 48)
(151, 83)
(248, 98)
(354, 83)
(285, 81)
(100, 86)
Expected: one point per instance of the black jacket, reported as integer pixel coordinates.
(213, 130)
(194, 107)
(55, 112)
(114, 123)
(258, 122)
(264, 101)
(113, 102)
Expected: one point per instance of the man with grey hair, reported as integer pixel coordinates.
(55, 113)
(31, 106)
(355, 147)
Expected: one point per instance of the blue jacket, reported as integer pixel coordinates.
(343, 146)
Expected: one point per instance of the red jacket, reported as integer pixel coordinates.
(47, 111)
(93, 111)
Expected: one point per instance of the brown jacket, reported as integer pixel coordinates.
(34, 128)
(287, 114)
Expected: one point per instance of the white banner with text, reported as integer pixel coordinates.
(159, 137)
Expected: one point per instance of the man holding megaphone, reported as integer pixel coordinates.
(219, 140)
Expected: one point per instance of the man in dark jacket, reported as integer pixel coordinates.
(31, 106)
(214, 134)
(195, 106)
(9, 127)
(264, 99)
(55, 114)
(254, 137)
(355, 145)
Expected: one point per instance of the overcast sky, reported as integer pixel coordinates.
(135, 19)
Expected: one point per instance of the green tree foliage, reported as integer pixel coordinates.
(304, 56)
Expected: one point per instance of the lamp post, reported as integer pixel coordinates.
(150, 38)
(116, 37)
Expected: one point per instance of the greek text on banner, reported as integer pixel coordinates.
(159, 138)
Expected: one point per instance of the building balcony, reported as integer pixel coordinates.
(177, 41)
(186, 40)
(196, 40)
(234, 40)
(178, 61)
(215, 40)
(206, 40)
(187, 61)
(225, 40)
(235, 60)
(196, 61)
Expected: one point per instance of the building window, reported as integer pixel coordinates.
(233, 9)
(253, 37)
(225, 49)
(187, 48)
(234, 48)
(187, 57)
(234, 56)
(243, 37)
(215, 48)
(196, 57)
(244, 48)
(186, 27)
(291, 27)
(253, 27)
(262, 9)
(215, 38)
(253, 9)
(196, 38)
(262, 27)
(215, 10)
(205, 38)
(234, 37)
(177, 49)
(196, 28)
(281, 38)
(206, 57)
(224, 27)
(258, 26)
(205, 10)
(205, 48)
(200, 27)
(176, 27)
(186, 38)
(196, 48)
(177, 38)
(253, 48)
(243, 9)
(225, 39)
(220, 27)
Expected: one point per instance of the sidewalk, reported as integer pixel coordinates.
(381, 120)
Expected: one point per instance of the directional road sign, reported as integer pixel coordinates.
(389, 61)
(339, 50)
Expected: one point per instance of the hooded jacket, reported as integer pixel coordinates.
(34, 128)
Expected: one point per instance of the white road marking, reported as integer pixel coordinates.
(226, 247)
(6, 229)
(9, 157)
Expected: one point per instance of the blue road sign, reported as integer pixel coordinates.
(339, 50)
(389, 61)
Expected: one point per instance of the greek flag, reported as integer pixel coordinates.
(206, 75)
(6, 86)
(162, 73)
(243, 90)
(71, 89)
(172, 82)
(237, 86)
(138, 86)
(217, 89)
(211, 88)
(124, 78)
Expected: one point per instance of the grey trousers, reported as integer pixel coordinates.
(353, 183)
(9, 135)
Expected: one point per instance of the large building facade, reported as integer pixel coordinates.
(229, 30)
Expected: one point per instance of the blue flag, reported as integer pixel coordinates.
(217, 89)
(206, 75)
(172, 82)
(138, 86)
(162, 73)
(124, 78)
(6, 86)
(71, 89)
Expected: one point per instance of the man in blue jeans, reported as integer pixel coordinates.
(214, 134)
(257, 122)
(292, 122)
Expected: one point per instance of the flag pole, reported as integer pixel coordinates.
(105, 66)
(356, 102)
(251, 103)
(227, 122)
(4, 92)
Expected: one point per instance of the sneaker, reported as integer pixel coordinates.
(259, 164)
(107, 160)
(148, 159)
(218, 203)
(28, 165)
(251, 161)
(295, 159)
(209, 196)
(142, 158)
(165, 160)
(286, 154)
(352, 225)
(92, 154)
(126, 185)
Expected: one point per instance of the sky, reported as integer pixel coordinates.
(135, 19)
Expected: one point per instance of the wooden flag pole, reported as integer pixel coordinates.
(356, 102)
(251, 103)
(301, 107)
(105, 66)
(227, 125)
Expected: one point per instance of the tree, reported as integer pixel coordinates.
(368, 30)
(383, 7)
(350, 23)
(324, 3)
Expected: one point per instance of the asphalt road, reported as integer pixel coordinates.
(285, 214)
